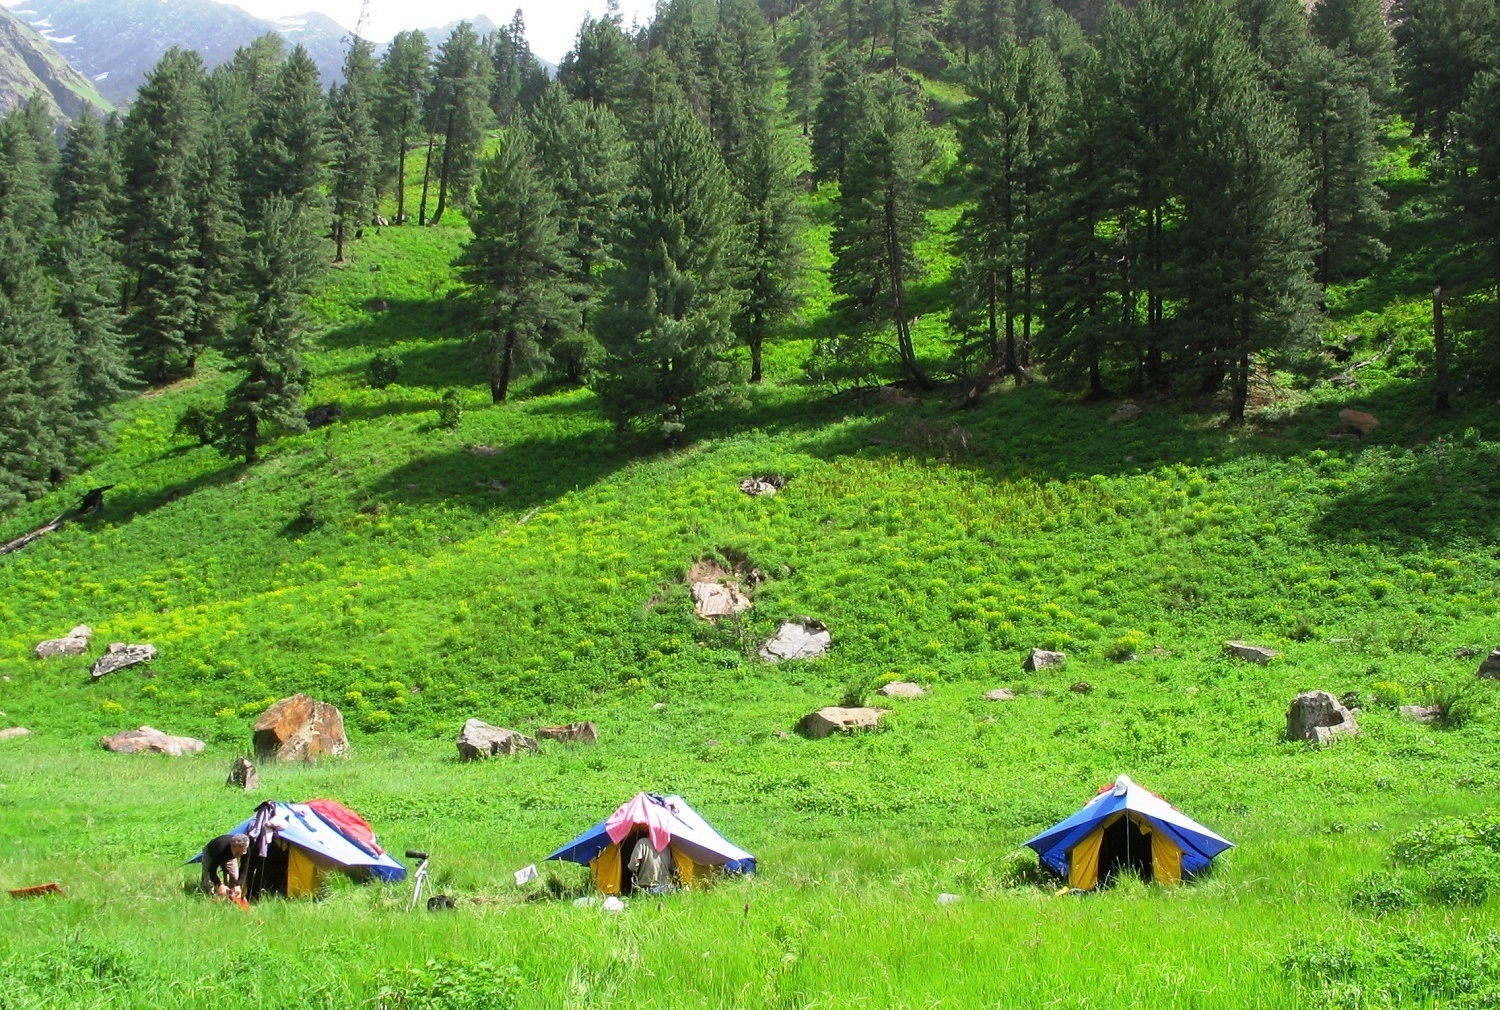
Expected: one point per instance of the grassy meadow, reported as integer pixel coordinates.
(526, 567)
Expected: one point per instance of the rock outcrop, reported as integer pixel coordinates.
(1000, 694)
(300, 728)
(74, 643)
(119, 655)
(828, 721)
(719, 599)
(478, 739)
(1041, 659)
(1318, 717)
(1258, 654)
(804, 639)
(1421, 713)
(573, 732)
(149, 740)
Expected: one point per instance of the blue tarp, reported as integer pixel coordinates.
(1199, 845)
(691, 834)
(298, 824)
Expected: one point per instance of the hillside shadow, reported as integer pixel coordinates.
(400, 321)
(121, 507)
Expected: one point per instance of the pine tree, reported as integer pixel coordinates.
(839, 113)
(516, 263)
(879, 220)
(268, 344)
(35, 406)
(88, 302)
(88, 176)
(1278, 33)
(1477, 153)
(1356, 30)
(774, 254)
(168, 287)
(581, 149)
(804, 58)
(1336, 126)
(741, 77)
(25, 196)
(352, 129)
(289, 151)
(516, 78)
(1442, 45)
(665, 323)
(404, 83)
(602, 64)
(459, 113)
(218, 235)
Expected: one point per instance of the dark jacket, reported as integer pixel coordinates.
(218, 856)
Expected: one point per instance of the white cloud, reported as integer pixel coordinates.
(551, 25)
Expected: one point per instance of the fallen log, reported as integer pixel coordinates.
(92, 504)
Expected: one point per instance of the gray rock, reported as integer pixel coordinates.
(1125, 412)
(1082, 687)
(1041, 659)
(828, 721)
(149, 740)
(478, 739)
(1421, 713)
(1258, 654)
(1000, 694)
(74, 643)
(1491, 666)
(903, 689)
(573, 732)
(300, 728)
(804, 639)
(14, 733)
(1318, 717)
(119, 656)
(719, 599)
(949, 899)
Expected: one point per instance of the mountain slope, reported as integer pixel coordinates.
(29, 65)
(116, 42)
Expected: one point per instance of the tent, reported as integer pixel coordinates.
(1127, 828)
(293, 844)
(697, 849)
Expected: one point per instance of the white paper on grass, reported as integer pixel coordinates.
(525, 874)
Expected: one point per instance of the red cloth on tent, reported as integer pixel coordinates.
(349, 824)
(641, 811)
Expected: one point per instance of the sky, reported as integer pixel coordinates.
(551, 25)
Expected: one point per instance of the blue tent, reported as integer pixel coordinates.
(697, 849)
(1127, 827)
(304, 844)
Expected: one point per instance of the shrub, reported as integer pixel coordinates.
(384, 368)
(1388, 693)
(200, 423)
(1123, 649)
(1382, 891)
(1464, 877)
(450, 412)
(1453, 700)
(449, 983)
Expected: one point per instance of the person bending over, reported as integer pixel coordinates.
(221, 857)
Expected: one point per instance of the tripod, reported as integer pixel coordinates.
(420, 879)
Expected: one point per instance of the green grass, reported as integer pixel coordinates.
(383, 565)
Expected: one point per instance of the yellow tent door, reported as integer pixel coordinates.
(1083, 860)
(607, 867)
(301, 873)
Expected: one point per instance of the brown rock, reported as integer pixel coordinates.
(119, 656)
(1318, 717)
(1082, 687)
(14, 733)
(146, 739)
(242, 775)
(478, 739)
(1125, 412)
(1041, 659)
(1258, 654)
(1491, 666)
(74, 643)
(573, 732)
(903, 689)
(719, 599)
(1000, 694)
(1421, 713)
(1357, 421)
(828, 721)
(300, 728)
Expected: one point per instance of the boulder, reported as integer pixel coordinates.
(14, 733)
(767, 484)
(1041, 659)
(1000, 694)
(1318, 717)
(948, 898)
(1125, 412)
(300, 728)
(148, 740)
(478, 739)
(119, 656)
(377, 305)
(242, 775)
(903, 689)
(573, 732)
(1082, 687)
(804, 639)
(1357, 421)
(484, 450)
(323, 415)
(74, 643)
(828, 721)
(1257, 654)
(1491, 666)
(1421, 713)
(719, 599)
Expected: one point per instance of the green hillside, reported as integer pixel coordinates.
(526, 567)
(29, 65)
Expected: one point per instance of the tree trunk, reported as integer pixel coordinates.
(1241, 368)
(426, 177)
(1012, 364)
(757, 337)
(898, 299)
(500, 376)
(437, 214)
(1096, 381)
(401, 179)
(252, 438)
(1440, 351)
(1026, 315)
